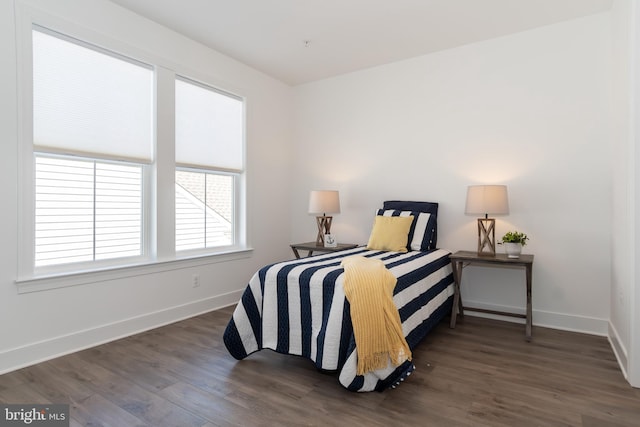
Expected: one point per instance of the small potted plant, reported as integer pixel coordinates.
(513, 242)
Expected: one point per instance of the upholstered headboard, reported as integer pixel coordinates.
(427, 232)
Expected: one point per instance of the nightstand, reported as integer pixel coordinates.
(311, 247)
(463, 258)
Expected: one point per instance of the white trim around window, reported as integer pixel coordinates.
(158, 252)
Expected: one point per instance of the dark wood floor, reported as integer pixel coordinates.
(482, 373)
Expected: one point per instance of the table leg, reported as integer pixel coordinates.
(529, 308)
(460, 307)
(457, 303)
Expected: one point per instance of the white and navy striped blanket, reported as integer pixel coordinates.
(298, 307)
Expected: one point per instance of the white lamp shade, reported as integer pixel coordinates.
(324, 201)
(487, 199)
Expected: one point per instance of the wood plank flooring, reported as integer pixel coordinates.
(482, 373)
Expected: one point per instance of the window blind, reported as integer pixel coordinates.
(90, 102)
(209, 127)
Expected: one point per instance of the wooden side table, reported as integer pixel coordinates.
(312, 246)
(463, 258)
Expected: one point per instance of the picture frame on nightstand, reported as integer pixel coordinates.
(330, 241)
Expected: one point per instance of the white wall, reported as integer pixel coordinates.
(42, 324)
(530, 110)
(622, 144)
(634, 179)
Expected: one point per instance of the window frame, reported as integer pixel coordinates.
(29, 149)
(237, 178)
(239, 200)
(144, 230)
(159, 224)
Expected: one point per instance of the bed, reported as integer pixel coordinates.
(299, 307)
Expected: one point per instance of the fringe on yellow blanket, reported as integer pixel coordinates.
(368, 286)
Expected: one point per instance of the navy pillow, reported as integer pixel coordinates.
(429, 233)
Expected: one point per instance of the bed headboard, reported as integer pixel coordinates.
(431, 232)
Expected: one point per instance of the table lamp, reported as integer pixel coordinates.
(485, 200)
(323, 202)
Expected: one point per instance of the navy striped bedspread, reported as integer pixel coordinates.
(298, 307)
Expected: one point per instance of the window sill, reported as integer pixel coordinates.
(55, 281)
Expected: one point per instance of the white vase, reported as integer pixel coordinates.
(513, 250)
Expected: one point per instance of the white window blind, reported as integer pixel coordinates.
(209, 154)
(209, 127)
(92, 138)
(90, 102)
(86, 210)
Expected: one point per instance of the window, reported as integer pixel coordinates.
(86, 210)
(204, 210)
(92, 138)
(209, 156)
(103, 183)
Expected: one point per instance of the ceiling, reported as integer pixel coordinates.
(298, 41)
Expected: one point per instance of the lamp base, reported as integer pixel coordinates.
(324, 227)
(487, 236)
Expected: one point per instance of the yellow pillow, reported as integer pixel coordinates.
(390, 233)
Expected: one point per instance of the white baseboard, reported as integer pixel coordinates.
(618, 349)
(37, 352)
(547, 319)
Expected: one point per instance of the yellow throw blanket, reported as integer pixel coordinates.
(368, 286)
